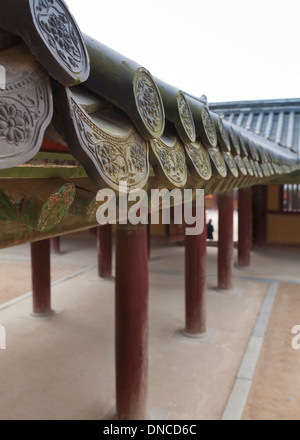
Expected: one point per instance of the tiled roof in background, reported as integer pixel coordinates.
(275, 120)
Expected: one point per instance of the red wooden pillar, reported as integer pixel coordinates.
(259, 201)
(175, 231)
(55, 245)
(245, 226)
(149, 238)
(225, 252)
(195, 283)
(131, 320)
(40, 267)
(214, 202)
(104, 246)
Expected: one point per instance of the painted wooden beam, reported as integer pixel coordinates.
(85, 205)
(37, 203)
(14, 234)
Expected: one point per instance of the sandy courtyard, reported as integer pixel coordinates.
(64, 368)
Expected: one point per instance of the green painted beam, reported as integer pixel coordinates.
(47, 165)
(292, 178)
(15, 234)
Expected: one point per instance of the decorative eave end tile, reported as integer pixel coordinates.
(107, 158)
(52, 34)
(25, 107)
